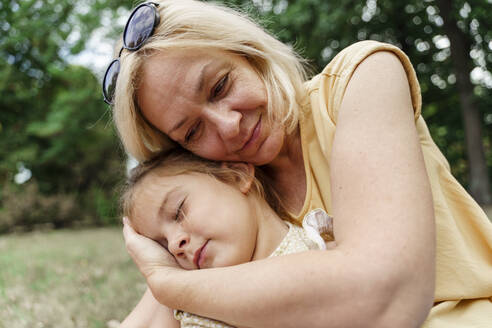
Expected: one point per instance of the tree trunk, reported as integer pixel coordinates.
(460, 49)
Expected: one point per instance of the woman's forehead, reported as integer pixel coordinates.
(174, 70)
(167, 81)
(182, 60)
(177, 80)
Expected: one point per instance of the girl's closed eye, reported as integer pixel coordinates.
(179, 215)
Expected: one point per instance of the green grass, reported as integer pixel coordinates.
(66, 279)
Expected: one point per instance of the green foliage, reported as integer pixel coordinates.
(26, 208)
(52, 119)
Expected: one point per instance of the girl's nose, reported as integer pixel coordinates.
(226, 122)
(178, 244)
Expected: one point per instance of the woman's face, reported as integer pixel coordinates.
(212, 103)
(203, 222)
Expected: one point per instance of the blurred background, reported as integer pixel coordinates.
(61, 164)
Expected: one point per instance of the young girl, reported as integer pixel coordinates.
(208, 215)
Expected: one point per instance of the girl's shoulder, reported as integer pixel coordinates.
(316, 230)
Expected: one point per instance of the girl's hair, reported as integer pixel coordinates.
(179, 161)
(191, 24)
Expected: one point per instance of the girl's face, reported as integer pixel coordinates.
(212, 103)
(203, 222)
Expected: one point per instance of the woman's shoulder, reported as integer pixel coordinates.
(354, 54)
(335, 77)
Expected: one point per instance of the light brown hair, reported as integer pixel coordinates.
(179, 161)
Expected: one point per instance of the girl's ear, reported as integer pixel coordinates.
(248, 171)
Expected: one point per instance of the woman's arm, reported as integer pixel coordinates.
(381, 273)
(380, 189)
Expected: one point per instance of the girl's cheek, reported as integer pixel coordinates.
(185, 265)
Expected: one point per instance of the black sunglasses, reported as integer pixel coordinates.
(138, 29)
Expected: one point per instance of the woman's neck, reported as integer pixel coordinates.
(287, 173)
(290, 155)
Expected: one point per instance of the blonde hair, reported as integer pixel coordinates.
(193, 24)
(178, 161)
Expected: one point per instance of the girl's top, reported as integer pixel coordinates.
(296, 240)
(463, 295)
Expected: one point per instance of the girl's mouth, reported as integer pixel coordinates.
(200, 256)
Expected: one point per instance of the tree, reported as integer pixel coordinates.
(52, 118)
(461, 46)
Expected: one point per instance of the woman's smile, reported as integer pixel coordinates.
(253, 136)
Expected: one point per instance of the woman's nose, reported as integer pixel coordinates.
(226, 122)
(178, 244)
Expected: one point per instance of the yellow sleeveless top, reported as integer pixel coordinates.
(463, 295)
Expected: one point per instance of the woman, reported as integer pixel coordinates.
(351, 141)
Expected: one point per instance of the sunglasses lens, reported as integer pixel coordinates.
(110, 80)
(137, 30)
(139, 27)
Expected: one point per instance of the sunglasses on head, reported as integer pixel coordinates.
(138, 29)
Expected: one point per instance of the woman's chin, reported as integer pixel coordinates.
(270, 149)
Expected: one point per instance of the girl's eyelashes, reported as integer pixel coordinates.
(179, 211)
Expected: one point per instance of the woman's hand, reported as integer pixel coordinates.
(148, 255)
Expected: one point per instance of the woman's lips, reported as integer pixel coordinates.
(200, 255)
(254, 135)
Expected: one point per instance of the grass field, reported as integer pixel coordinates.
(66, 279)
(69, 278)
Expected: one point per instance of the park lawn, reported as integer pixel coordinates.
(67, 278)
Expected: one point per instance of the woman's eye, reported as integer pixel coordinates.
(220, 86)
(192, 132)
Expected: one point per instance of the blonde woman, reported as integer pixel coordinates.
(413, 248)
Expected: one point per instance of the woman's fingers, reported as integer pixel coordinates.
(147, 254)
